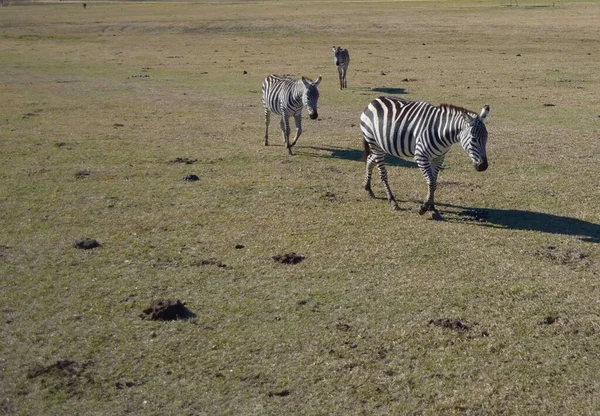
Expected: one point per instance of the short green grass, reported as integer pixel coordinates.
(96, 105)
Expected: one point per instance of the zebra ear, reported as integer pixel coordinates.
(317, 81)
(305, 82)
(469, 119)
(484, 112)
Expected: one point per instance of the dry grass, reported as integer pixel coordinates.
(98, 103)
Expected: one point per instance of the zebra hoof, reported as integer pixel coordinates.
(424, 208)
(395, 206)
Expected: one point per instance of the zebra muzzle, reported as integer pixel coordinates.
(313, 115)
(483, 165)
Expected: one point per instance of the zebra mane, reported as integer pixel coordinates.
(455, 108)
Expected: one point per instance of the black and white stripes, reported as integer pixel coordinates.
(285, 96)
(419, 130)
(341, 57)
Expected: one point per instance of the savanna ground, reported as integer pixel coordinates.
(493, 311)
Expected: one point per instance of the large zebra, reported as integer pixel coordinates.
(285, 96)
(341, 57)
(424, 132)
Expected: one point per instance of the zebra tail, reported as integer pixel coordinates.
(366, 150)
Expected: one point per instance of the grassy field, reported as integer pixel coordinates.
(494, 311)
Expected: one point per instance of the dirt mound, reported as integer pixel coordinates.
(86, 244)
(454, 324)
(166, 310)
(191, 178)
(288, 258)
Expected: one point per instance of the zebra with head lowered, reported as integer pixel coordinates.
(419, 130)
(341, 57)
(285, 96)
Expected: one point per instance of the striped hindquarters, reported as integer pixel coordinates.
(392, 124)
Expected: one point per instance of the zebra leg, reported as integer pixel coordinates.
(369, 171)
(267, 120)
(340, 77)
(428, 204)
(379, 159)
(285, 129)
(344, 71)
(430, 169)
(298, 121)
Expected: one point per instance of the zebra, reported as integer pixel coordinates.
(341, 57)
(285, 96)
(424, 132)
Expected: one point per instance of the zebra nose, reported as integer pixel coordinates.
(482, 166)
(314, 115)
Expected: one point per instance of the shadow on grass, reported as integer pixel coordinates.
(389, 90)
(515, 219)
(355, 155)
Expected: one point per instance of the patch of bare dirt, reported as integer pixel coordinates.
(64, 375)
(566, 256)
(184, 160)
(288, 258)
(211, 262)
(281, 393)
(455, 324)
(82, 174)
(167, 310)
(549, 319)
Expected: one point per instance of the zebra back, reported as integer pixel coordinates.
(400, 127)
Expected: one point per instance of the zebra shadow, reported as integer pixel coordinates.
(516, 219)
(355, 155)
(389, 90)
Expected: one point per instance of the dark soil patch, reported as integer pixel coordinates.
(82, 174)
(65, 375)
(281, 393)
(330, 196)
(549, 320)
(185, 160)
(211, 262)
(86, 244)
(121, 384)
(65, 368)
(565, 256)
(191, 178)
(288, 258)
(167, 310)
(343, 327)
(239, 246)
(454, 324)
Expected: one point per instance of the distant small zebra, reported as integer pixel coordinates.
(419, 130)
(285, 96)
(341, 57)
